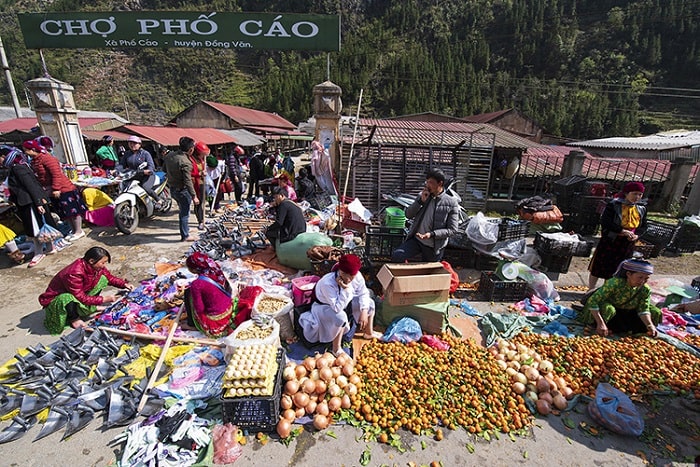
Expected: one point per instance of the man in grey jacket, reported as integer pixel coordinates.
(436, 218)
(179, 170)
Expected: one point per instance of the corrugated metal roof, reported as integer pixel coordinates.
(244, 137)
(276, 131)
(8, 113)
(658, 142)
(250, 117)
(486, 118)
(548, 161)
(170, 136)
(422, 133)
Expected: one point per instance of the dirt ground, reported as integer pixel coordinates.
(672, 435)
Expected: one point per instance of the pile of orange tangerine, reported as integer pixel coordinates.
(635, 365)
(415, 387)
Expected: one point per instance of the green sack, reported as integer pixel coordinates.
(433, 317)
(293, 252)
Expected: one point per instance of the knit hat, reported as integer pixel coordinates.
(33, 145)
(635, 265)
(212, 161)
(350, 264)
(134, 139)
(633, 186)
(201, 148)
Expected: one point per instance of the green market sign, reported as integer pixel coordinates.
(192, 30)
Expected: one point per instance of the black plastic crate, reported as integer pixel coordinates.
(659, 233)
(495, 290)
(551, 246)
(319, 200)
(463, 258)
(696, 284)
(565, 189)
(686, 240)
(256, 413)
(647, 250)
(582, 248)
(589, 205)
(551, 263)
(484, 262)
(511, 229)
(459, 241)
(571, 224)
(380, 242)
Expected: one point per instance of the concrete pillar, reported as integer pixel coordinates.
(58, 118)
(678, 176)
(327, 108)
(573, 163)
(692, 206)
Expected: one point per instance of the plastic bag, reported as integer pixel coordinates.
(454, 277)
(226, 447)
(435, 342)
(615, 411)
(538, 281)
(481, 231)
(403, 330)
(47, 234)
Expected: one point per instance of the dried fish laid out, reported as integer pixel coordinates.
(74, 379)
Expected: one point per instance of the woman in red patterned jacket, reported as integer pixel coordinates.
(66, 201)
(74, 293)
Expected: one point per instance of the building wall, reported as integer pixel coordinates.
(521, 126)
(204, 116)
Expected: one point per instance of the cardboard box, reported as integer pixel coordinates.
(409, 284)
(432, 317)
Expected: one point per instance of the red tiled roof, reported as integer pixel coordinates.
(170, 136)
(21, 124)
(249, 117)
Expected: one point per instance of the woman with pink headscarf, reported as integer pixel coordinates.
(208, 300)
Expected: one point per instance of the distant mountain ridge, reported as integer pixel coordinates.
(582, 68)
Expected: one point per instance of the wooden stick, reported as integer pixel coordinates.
(161, 359)
(160, 337)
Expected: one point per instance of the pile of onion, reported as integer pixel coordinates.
(532, 376)
(320, 387)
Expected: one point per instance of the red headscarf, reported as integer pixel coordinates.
(633, 186)
(350, 264)
(201, 264)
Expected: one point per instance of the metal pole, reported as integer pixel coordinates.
(8, 76)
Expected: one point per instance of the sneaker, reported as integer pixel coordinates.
(73, 237)
(200, 227)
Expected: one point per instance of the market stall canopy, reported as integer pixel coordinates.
(170, 136)
(244, 137)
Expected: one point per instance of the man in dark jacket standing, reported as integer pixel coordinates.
(436, 218)
(289, 221)
(233, 165)
(179, 170)
(256, 165)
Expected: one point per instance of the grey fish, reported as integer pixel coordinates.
(10, 402)
(17, 429)
(57, 419)
(79, 419)
(33, 404)
(68, 394)
(122, 407)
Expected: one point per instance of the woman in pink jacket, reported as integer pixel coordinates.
(74, 293)
(66, 201)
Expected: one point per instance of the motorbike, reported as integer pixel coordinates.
(133, 203)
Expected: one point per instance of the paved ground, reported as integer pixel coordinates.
(550, 442)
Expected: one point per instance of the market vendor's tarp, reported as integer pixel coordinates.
(267, 259)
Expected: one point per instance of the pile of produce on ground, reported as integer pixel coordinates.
(636, 365)
(416, 387)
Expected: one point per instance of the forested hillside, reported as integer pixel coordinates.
(582, 68)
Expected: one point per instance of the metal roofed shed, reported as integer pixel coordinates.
(667, 145)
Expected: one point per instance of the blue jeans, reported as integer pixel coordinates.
(184, 199)
(413, 248)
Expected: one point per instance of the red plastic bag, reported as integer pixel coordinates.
(434, 342)
(246, 299)
(226, 447)
(454, 282)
